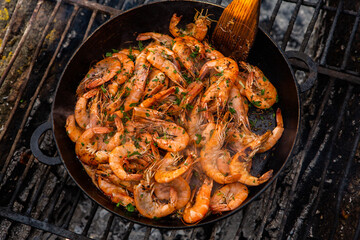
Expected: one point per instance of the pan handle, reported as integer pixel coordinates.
(302, 60)
(34, 145)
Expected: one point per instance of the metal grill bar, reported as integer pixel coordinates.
(299, 165)
(326, 8)
(52, 205)
(73, 207)
(9, 26)
(357, 232)
(311, 26)
(95, 6)
(128, 231)
(94, 208)
(21, 43)
(331, 33)
(147, 233)
(4, 212)
(173, 234)
(213, 231)
(20, 182)
(269, 204)
(32, 64)
(342, 184)
(120, 4)
(35, 197)
(193, 232)
(351, 40)
(273, 15)
(328, 156)
(91, 21)
(108, 226)
(291, 25)
(31, 104)
(338, 74)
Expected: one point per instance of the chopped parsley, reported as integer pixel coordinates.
(131, 56)
(130, 207)
(256, 103)
(198, 138)
(219, 74)
(195, 53)
(141, 46)
(133, 104)
(119, 204)
(133, 154)
(103, 89)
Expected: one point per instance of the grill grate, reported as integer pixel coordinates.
(316, 196)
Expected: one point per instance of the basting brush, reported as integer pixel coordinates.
(235, 31)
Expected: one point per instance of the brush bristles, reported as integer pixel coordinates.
(236, 28)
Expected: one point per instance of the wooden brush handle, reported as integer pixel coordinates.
(237, 27)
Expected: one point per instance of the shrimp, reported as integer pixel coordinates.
(194, 213)
(115, 140)
(91, 171)
(196, 46)
(238, 107)
(198, 29)
(275, 134)
(174, 138)
(149, 113)
(168, 169)
(163, 39)
(241, 82)
(186, 56)
(238, 138)
(150, 207)
(171, 70)
(99, 74)
(116, 193)
(131, 53)
(126, 70)
(81, 116)
(258, 89)
(196, 120)
(157, 81)
(219, 91)
(222, 163)
(211, 53)
(105, 171)
(138, 81)
(86, 145)
(206, 134)
(94, 112)
(72, 130)
(157, 97)
(193, 90)
(117, 158)
(181, 187)
(241, 163)
(212, 151)
(228, 197)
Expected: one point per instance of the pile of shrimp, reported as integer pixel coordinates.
(163, 129)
